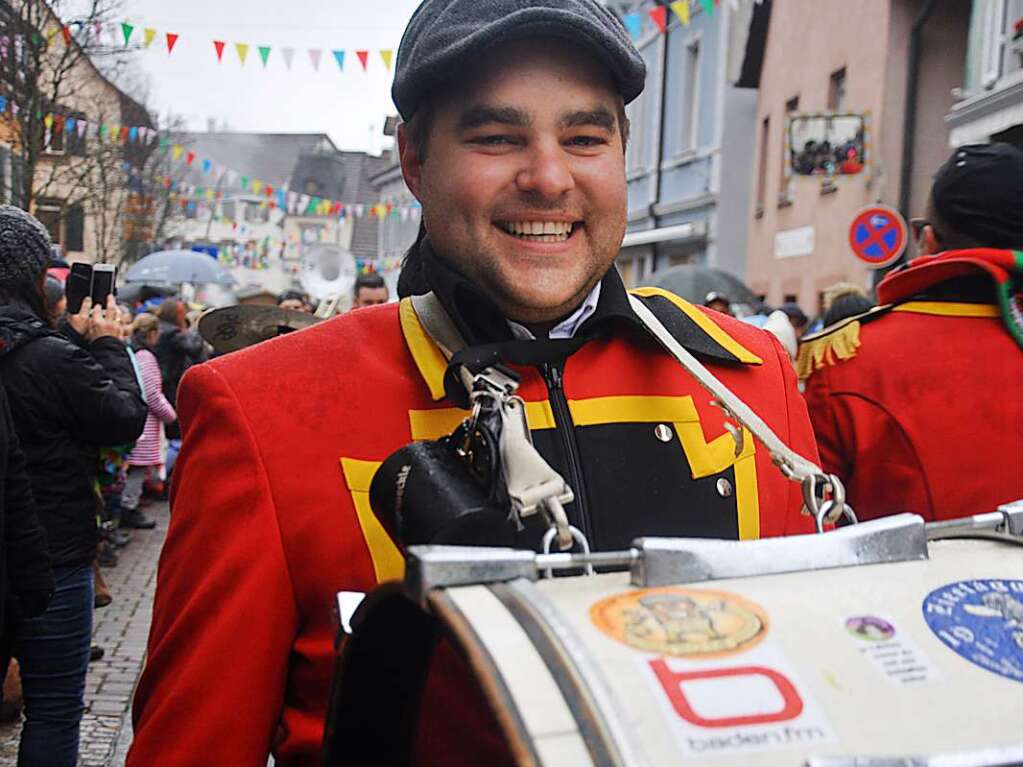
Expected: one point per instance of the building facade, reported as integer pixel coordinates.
(991, 104)
(851, 58)
(691, 140)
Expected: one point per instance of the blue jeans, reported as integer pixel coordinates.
(53, 652)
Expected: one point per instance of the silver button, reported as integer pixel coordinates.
(724, 488)
(663, 432)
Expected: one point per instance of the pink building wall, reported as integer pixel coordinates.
(808, 40)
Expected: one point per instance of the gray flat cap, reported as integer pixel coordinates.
(444, 34)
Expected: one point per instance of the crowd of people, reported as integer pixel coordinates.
(84, 400)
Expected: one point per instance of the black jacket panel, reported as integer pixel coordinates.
(66, 402)
(24, 554)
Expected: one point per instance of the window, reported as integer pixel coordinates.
(641, 112)
(765, 131)
(311, 187)
(836, 91)
(227, 210)
(993, 26)
(690, 117)
(49, 214)
(792, 105)
(255, 213)
(55, 136)
(790, 298)
(75, 228)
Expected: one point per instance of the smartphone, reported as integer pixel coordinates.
(103, 276)
(79, 285)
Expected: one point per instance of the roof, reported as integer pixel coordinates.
(270, 157)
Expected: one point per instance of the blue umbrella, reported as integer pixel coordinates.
(177, 266)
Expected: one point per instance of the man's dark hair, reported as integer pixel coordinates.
(846, 305)
(370, 280)
(291, 295)
(948, 237)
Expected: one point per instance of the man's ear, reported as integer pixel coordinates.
(928, 244)
(411, 165)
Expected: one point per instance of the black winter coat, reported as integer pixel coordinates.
(176, 351)
(24, 555)
(68, 398)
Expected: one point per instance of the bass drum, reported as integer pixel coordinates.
(885, 664)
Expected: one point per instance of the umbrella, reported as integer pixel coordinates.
(176, 266)
(142, 291)
(694, 281)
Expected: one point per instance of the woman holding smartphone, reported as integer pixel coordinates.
(69, 392)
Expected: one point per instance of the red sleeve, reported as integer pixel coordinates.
(865, 446)
(225, 615)
(800, 439)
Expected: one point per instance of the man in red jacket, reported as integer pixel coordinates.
(514, 143)
(916, 404)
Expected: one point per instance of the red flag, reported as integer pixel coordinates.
(219, 45)
(363, 58)
(66, 32)
(190, 158)
(268, 191)
(171, 39)
(124, 134)
(660, 17)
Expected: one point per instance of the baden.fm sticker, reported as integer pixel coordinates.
(982, 621)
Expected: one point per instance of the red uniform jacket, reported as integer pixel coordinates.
(918, 407)
(271, 514)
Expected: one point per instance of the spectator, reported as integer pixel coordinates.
(719, 302)
(147, 454)
(24, 555)
(56, 300)
(177, 349)
(68, 391)
(797, 318)
(370, 290)
(847, 305)
(295, 301)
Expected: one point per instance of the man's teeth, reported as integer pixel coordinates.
(539, 231)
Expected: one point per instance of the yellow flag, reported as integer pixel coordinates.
(243, 51)
(48, 120)
(178, 151)
(147, 36)
(681, 9)
(256, 185)
(387, 55)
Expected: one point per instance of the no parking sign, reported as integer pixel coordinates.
(878, 236)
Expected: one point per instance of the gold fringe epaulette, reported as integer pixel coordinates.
(833, 344)
(828, 349)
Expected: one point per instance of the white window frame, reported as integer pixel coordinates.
(642, 113)
(689, 140)
(993, 45)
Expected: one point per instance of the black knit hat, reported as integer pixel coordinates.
(444, 34)
(979, 192)
(24, 246)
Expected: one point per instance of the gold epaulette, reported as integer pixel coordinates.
(834, 343)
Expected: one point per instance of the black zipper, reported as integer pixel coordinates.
(552, 376)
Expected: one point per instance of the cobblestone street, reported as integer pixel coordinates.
(121, 628)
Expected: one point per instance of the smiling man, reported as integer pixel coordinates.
(514, 142)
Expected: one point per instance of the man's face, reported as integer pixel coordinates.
(293, 304)
(523, 185)
(369, 297)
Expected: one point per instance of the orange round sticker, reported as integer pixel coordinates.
(684, 622)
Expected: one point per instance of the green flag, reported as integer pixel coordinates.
(708, 6)
(264, 53)
(127, 29)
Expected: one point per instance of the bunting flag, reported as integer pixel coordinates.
(218, 45)
(66, 32)
(314, 57)
(264, 54)
(171, 39)
(126, 30)
(387, 55)
(190, 158)
(288, 54)
(147, 36)
(339, 57)
(681, 9)
(633, 24)
(243, 51)
(363, 58)
(660, 17)
(708, 6)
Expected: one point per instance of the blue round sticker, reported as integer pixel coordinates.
(982, 621)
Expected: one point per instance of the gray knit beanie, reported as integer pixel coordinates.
(24, 245)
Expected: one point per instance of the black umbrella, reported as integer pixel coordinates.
(694, 281)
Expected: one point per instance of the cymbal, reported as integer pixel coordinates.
(235, 327)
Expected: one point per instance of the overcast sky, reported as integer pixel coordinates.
(350, 106)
